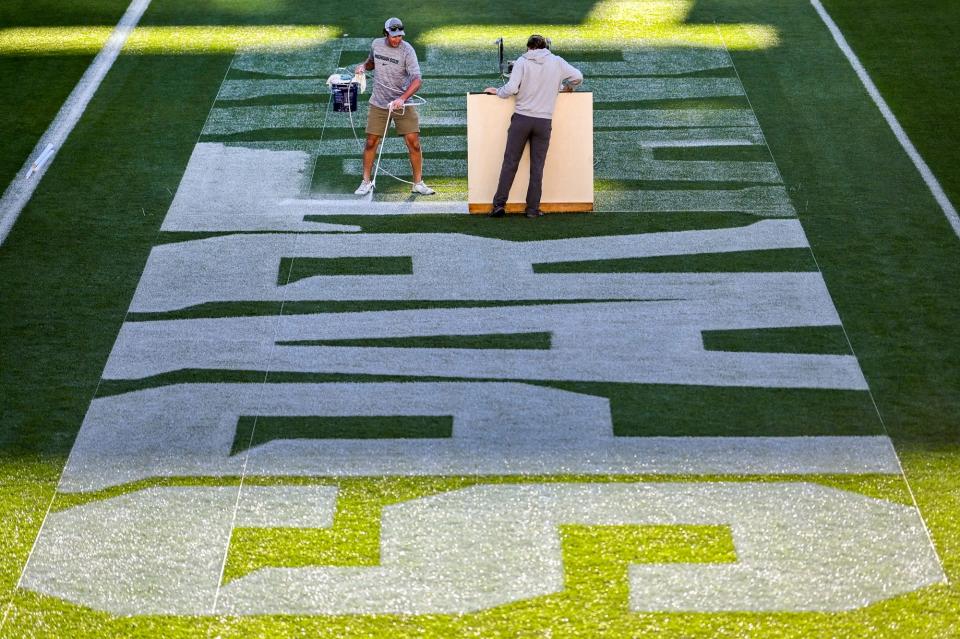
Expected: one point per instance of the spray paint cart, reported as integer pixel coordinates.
(567, 173)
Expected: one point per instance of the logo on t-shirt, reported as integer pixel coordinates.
(386, 59)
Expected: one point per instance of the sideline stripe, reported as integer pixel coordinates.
(935, 189)
(21, 189)
(135, 17)
(948, 210)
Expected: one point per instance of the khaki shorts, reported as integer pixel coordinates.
(409, 122)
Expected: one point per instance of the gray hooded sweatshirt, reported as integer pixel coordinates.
(536, 80)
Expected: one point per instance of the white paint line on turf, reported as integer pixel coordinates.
(497, 428)
(18, 193)
(842, 43)
(928, 177)
(20, 190)
(799, 547)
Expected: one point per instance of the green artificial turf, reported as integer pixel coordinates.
(910, 51)
(592, 603)
(890, 261)
(799, 339)
(34, 86)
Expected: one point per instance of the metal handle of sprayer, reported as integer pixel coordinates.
(505, 68)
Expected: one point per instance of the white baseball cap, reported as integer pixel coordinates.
(394, 27)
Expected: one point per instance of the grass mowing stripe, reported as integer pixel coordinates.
(243, 74)
(278, 134)
(733, 102)
(591, 55)
(718, 153)
(275, 98)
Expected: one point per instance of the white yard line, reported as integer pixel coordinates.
(134, 12)
(266, 375)
(932, 183)
(20, 190)
(846, 335)
(249, 448)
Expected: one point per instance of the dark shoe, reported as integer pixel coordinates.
(497, 212)
(532, 214)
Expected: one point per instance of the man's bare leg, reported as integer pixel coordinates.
(369, 152)
(416, 155)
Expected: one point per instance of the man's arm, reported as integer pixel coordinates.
(513, 84)
(366, 65)
(415, 84)
(572, 75)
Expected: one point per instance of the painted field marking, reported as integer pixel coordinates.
(799, 547)
(18, 193)
(228, 596)
(20, 190)
(96, 391)
(928, 177)
(873, 400)
(497, 428)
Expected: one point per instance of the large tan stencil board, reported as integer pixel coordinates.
(567, 173)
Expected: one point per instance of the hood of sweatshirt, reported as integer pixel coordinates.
(537, 56)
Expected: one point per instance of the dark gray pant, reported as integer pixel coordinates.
(537, 131)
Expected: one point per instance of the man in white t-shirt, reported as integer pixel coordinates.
(397, 79)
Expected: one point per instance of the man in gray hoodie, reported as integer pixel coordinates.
(537, 77)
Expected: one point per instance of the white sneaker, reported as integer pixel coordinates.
(365, 187)
(422, 189)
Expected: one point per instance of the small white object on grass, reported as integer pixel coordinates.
(40, 161)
